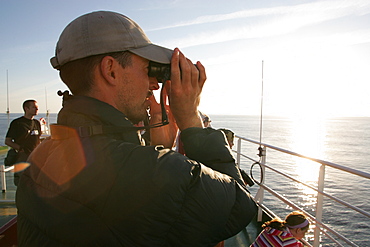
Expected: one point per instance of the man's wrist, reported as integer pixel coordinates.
(190, 123)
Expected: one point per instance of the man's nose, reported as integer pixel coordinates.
(153, 83)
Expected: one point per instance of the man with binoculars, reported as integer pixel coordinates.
(93, 183)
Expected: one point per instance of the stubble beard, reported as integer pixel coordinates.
(135, 113)
(136, 117)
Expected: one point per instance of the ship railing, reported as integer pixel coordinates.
(320, 227)
(3, 172)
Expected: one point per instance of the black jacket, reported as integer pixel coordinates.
(108, 190)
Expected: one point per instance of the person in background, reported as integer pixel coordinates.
(44, 126)
(229, 134)
(205, 119)
(94, 183)
(278, 233)
(24, 134)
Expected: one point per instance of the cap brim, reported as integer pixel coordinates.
(154, 53)
(54, 63)
(151, 52)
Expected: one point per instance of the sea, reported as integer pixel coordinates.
(344, 141)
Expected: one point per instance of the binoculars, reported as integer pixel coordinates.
(160, 71)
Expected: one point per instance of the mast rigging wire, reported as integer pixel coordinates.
(260, 149)
(261, 107)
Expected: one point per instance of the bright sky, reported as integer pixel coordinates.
(316, 53)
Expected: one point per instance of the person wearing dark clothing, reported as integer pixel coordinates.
(93, 183)
(24, 134)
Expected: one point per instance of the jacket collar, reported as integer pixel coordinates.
(86, 111)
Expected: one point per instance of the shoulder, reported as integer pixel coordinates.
(285, 237)
(17, 120)
(16, 123)
(289, 240)
(275, 232)
(165, 158)
(166, 165)
(37, 122)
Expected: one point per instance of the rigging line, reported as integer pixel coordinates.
(260, 149)
(46, 101)
(261, 107)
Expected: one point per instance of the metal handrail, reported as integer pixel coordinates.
(3, 172)
(321, 192)
(320, 227)
(333, 165)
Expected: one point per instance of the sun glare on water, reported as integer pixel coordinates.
(308, 138)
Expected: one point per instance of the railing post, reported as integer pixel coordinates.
(319, 205)
(260, 193)
(238, 151)
(3, 178)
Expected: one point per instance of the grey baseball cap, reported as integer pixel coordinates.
(105, 32)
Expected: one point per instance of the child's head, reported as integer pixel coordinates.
(297, 224)
(295, 221)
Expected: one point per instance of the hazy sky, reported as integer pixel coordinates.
(316, 53)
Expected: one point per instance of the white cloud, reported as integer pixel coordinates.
(336, 8)
(274, 21)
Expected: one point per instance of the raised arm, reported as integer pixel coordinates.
(184, 90)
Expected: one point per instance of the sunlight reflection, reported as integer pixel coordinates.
(20, 166)
(308, 138)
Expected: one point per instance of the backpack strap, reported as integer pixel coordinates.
(65, 132)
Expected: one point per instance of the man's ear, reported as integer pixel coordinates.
(108, 69)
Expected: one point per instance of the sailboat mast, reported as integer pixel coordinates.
(46, 102)
(47, 112)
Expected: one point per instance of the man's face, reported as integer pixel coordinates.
(32, 109)
(135, 89)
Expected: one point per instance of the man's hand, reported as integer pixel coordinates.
(9, 142)
(184, 90)
(164, 135)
